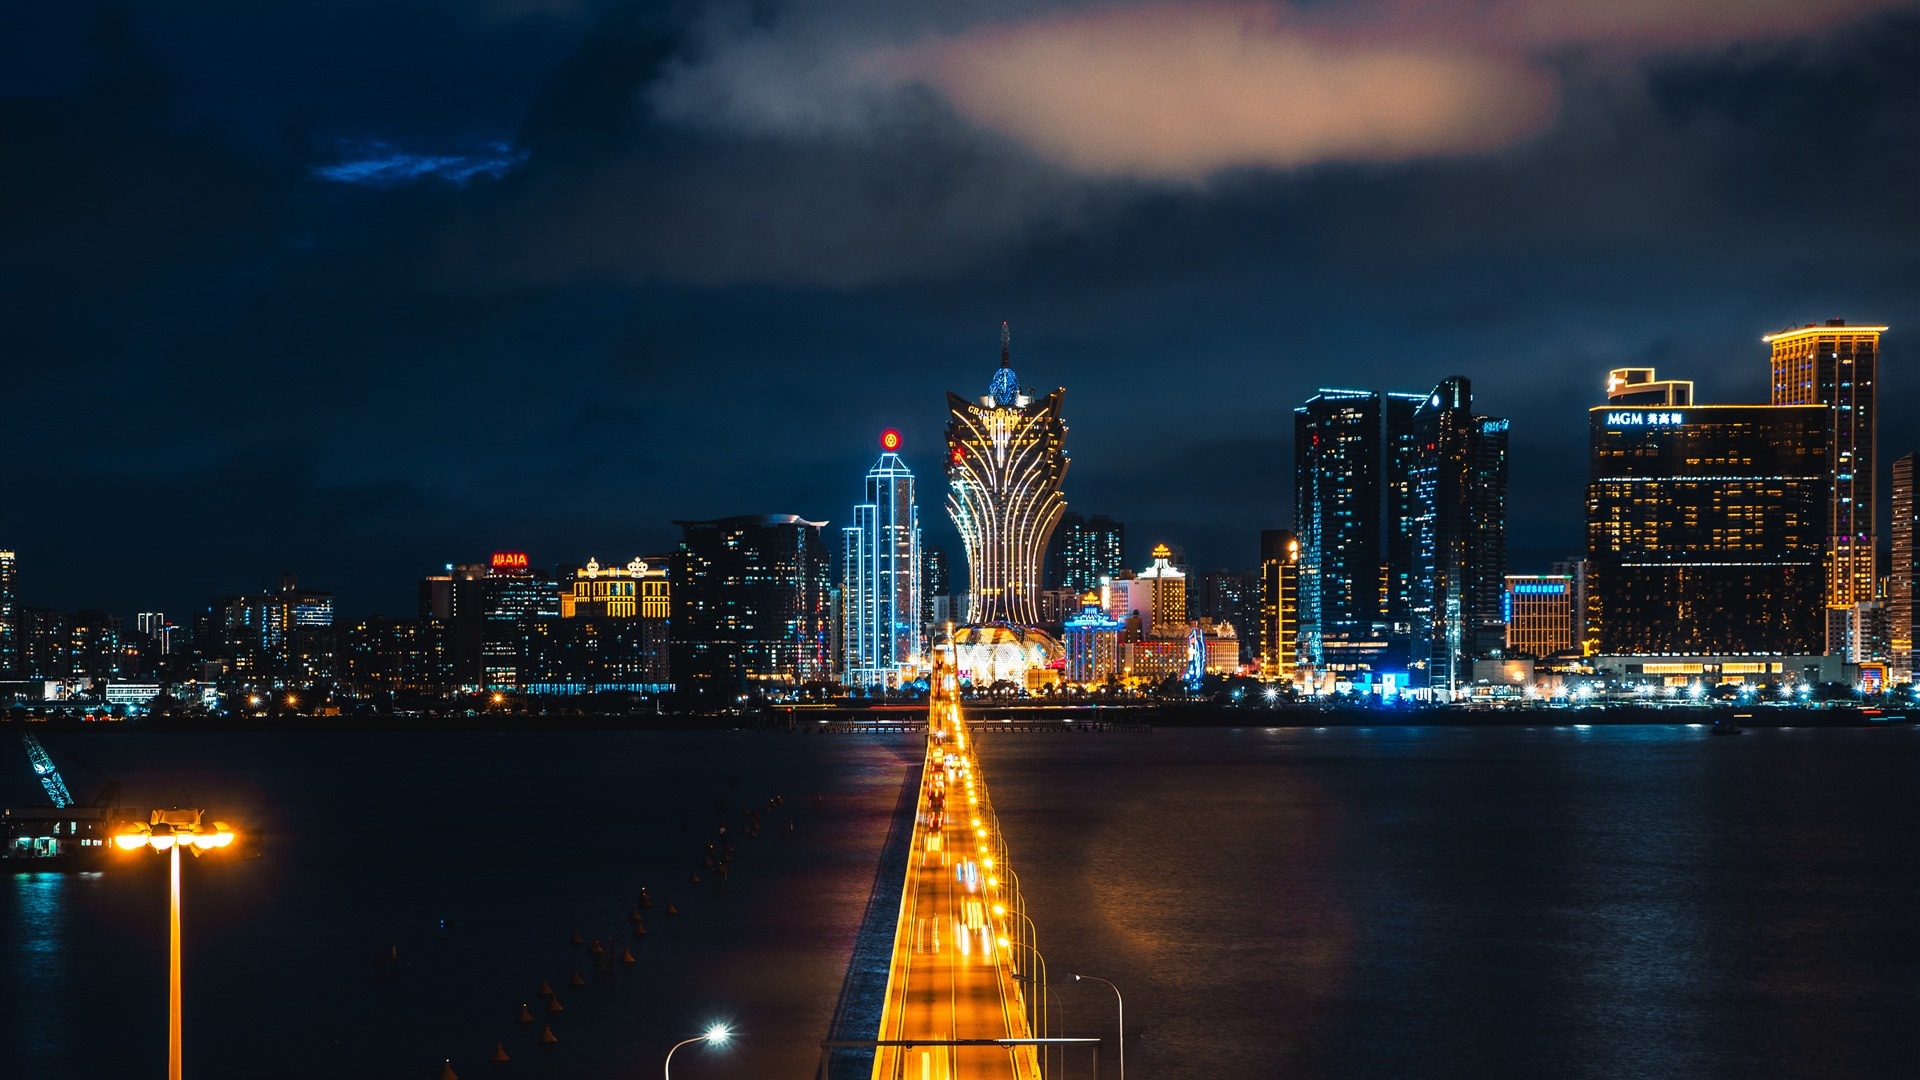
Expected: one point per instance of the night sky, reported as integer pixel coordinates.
(356, 289)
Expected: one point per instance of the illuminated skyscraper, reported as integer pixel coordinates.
(1900, 591)
(1353, 511)
(1006, 458)
(1459, 536)
(1706, 529)
(1083, 551)
(1838, 366)
(1279, 604)
(880, 586)
(1540, 614)
(750, 605)
(9, 615)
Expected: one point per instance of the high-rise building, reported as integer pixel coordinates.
(880, 583)
(936, 588)
(1228, 598)
(1540, 614)
(156, 630)
(1092, 643)
(1006, 458)
(1706, 529)
(9, 614)
(1575, 571)
(750, 605)
(517, 599)
(1837, 365)
(1279, 604)
(1353, 513)
(1900, 591)
(1460, 536)
(1158, 595)
(1083, 551)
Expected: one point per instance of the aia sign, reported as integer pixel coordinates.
(509, 560)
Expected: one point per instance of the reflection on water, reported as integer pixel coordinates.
(1496, 903)
(36, 965)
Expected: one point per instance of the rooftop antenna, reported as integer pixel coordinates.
(1006, 353)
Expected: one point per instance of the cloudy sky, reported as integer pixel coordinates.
(356, 289)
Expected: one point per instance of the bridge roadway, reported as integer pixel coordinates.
(951, 978)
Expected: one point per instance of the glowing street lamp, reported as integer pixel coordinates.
(716, 1035)
(1123, 1017)
(171, 831)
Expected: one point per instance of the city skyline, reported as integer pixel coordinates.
(314, 319)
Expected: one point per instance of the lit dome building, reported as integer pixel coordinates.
(1006, 458)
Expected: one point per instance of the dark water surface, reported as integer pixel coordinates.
(1386, 903)
(517, 840)
(1475, 902)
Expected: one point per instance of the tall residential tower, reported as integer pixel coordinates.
(1006, 458)
(1459, 536)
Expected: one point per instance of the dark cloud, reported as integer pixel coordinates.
(356, 290)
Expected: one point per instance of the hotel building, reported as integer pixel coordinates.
(880, 582)
(1006, 459)
(1706, 528)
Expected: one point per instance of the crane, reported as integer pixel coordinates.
(49, 776)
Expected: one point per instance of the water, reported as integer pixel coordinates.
(1475, 902)
(516, 841)
(1405, 902)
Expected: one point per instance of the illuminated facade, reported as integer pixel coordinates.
(880, 583)
(1540, 614)
(1353, 512)
(1900, 581)
(1158, 595)
(1006, 459)
(1837, 365)
(636, 590)
(750, 605)
(1459, 559)
(1093, 644)
(516, 603)
(9, 614)
(1706, 529)
(1279, 604)
(1001, 654)
(1083, 551)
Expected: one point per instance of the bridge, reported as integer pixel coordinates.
(959, 996)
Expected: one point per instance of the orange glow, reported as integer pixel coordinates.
(1823, 331)
(889, 440)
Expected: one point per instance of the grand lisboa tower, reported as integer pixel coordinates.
(1006, 457)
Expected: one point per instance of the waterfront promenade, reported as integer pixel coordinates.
(957, 946)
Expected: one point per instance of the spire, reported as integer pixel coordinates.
(1005, 387)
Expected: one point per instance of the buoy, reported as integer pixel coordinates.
(526, 1015)
(693, 879)
(500, 1052)
(576, 980)
(639, 928)
(553, 1005)
(671, 910)
(447, 1073)
(546, 1036)
(577, 939)
(626, 956)
(646, 900)
(634, 915)
(545, 990)
(597, 948)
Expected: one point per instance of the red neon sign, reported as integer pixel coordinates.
(889, 440)
(959, 454)
(509, 560)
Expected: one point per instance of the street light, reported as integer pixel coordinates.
(717, 1035)
(1123, 1016)
(172, 830)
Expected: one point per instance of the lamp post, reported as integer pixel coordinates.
(171, 830)
(1123, 1016)
(716, 1035)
